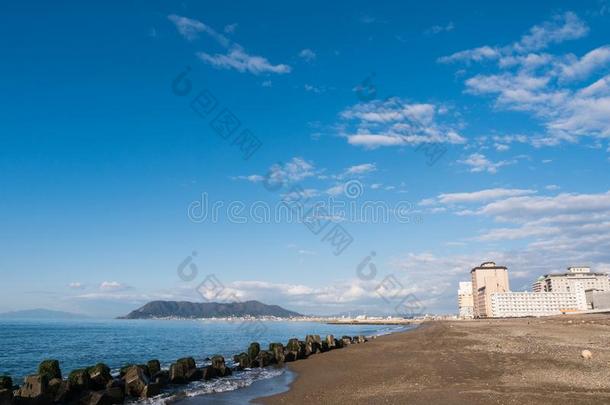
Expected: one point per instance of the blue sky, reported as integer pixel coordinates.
(487, 124)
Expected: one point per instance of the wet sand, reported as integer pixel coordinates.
(244, 395)
(511, 361)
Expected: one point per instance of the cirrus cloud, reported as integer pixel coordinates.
(235, 57)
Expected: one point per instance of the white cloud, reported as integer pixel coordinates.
(547, 86)
(235, 57)
(361, 169)
(529, 61)
(517, 233)
(295, 170)
(562, 27)
(391, 111)
(510, 138)
(566, 113)
(437, 29)
(604, 9)
(427, 202)
(336, 296)
(134, 299)
(299, 169)
(187, 27)
(476, 55)
(535, 206)
(373, 141)
(313, 89)
(367, 19)
(336, 190)
(190, 29)
(582, 116)
(565, 228)
(230, 28)
(480, 163)
(393, 122)
(599, 88)
(513, 88)
(579, 68)
(253, 178)
(76, 285)
(300, 194)
(308, 55)
(479, 196)
(238, 59)
(112, 286)
(552, 187)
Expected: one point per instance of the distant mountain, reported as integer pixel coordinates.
(39, 313)
(184, 309)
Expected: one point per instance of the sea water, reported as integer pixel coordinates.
(81, 343)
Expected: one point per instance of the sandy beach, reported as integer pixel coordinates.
(510, 361)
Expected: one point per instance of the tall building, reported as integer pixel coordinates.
(487, 279)
(581, 276)
(465, 301)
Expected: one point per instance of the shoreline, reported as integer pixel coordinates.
(373, 322)
(528, 360)
(275, 385)
(297, 373)
(243, 395)
(249, 374)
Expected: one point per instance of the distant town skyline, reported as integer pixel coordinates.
(469, 134)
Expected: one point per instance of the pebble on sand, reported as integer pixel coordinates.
(586, 354)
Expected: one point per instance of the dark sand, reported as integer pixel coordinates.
(518, 361)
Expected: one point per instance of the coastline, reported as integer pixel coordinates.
(267, 386)
(244, 395)
(124, 374)
(527, 360)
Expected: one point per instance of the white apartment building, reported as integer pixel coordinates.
(538, 285)
(576, 290)
(567, 282)
(517, 304)
(465, 300)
